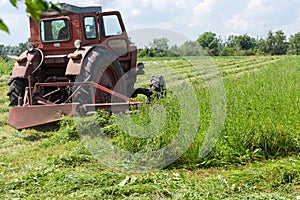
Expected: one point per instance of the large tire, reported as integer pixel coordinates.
(157, 84)
(102, 66)
(16, 90)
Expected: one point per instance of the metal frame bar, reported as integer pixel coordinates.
(80, 84)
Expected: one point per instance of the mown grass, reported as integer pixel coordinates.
(256, 157)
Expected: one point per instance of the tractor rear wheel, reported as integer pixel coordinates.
(16, 90)
(102, 67)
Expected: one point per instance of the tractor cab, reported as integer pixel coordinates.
(75, 27)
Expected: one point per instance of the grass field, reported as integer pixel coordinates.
(256, 155)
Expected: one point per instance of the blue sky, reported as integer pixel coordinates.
(190, 18)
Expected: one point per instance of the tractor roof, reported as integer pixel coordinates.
(68, 8)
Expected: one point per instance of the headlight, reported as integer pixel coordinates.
(29, 47)
(77, 44)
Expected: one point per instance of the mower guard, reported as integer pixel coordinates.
(22, 117)
(27, 116)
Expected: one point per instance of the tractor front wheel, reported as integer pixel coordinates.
(102, 67)
(16, 91)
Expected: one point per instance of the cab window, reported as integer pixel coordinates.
(90, 28)
(55, 30)
(111, 25)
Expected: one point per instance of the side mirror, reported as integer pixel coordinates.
(140, 67)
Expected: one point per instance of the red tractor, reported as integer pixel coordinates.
(78, 59)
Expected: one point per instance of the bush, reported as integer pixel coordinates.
(5, 66)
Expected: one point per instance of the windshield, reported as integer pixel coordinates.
(90, 27)
(111, 25)
(55, 30)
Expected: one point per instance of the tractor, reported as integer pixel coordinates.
(78, 60)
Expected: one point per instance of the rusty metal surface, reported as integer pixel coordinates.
(105, 89)
(74, 66)
(22, 117)
(24, 68)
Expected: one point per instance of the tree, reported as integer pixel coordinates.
(210, 42)
(281, 44)
(231, 42)
(294, 44)
(262, 46)
(239, 45)
(160, 44)
(11, 50)
(245, 42)
(241, 42)
(34, 8)
(275, 44)
(228, 51)
(188, 48)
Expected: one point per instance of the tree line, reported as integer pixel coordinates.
(11, 50)
(276, 43)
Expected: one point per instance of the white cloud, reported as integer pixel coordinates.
(190, 17)
(251, 17)
(14, 22)
(202, 13)
(4, 2)
(259, 6)
(19, 29)
(237, 23)
(168, 5)
(292, 27)
(135, 12)
(260, 16)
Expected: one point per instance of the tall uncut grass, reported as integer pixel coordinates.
(263, 112)
(262, 119)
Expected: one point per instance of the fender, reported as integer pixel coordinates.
(76, 59)
(25, 63)
(133, 52)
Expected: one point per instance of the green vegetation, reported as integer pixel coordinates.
(11, 50)
(256, 157)
(5, 67)
(276, 43)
